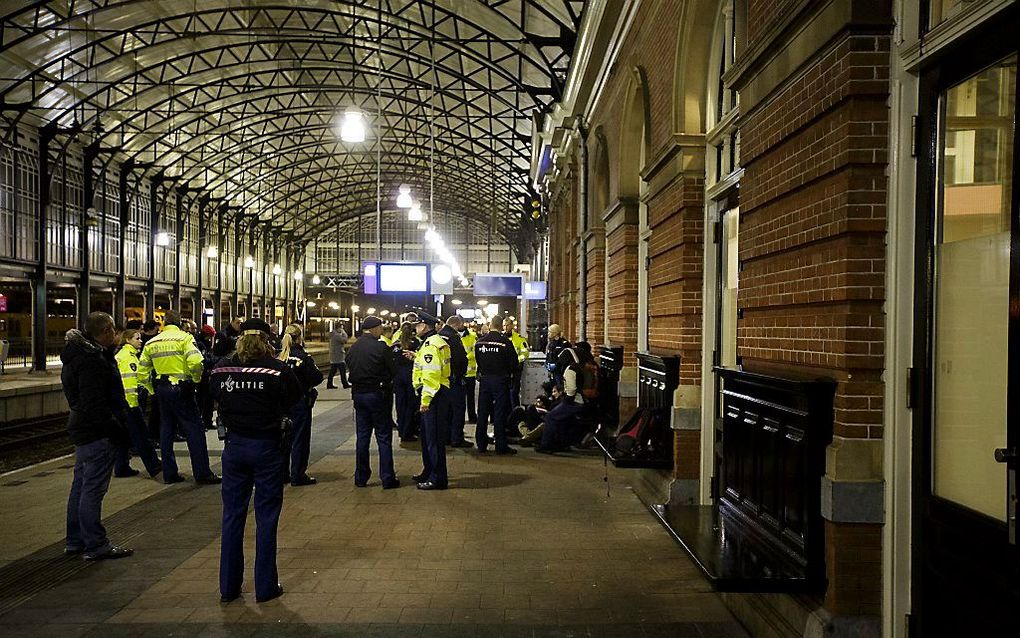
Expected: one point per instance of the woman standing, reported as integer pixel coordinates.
(407, 401)
(254, 391)
(294, 355)
(127, 364)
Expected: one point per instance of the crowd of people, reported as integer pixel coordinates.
(147, 386)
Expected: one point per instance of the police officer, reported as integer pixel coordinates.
(371, 369)
(521, 348)
(127, 364)
(294, 355)
(458, 370)
(468, 338)
(557, 343)
(174, 360)
(497, 361)
(253, 390)
(431, 378)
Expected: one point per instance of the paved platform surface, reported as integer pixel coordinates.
(529, 545)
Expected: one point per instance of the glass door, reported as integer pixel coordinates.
(968, 581)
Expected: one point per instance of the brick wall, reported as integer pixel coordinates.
(676, 251)
(812, 245)
(622, 286)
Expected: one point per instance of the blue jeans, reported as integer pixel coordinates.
(93, 466)
(433, 438)
(407, 404)
(494, 401)
(301, 417)
(561, 425)
(177, 405)
(456, 417)
(140, 443)
(370, 415)
(250, 463)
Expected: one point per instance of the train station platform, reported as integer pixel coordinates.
(529, 545)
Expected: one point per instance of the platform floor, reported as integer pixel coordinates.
(529, 545)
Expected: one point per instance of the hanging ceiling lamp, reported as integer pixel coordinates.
(404, 199)
(353, 128)
(415, 214)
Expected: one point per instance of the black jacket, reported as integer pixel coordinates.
(370, 364)
(304, 367)
(254, 396)
(458, 356)
(401, 362)
(93, 389)
(554, 349)
(495, 355)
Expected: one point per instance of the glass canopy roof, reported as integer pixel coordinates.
(241, 98)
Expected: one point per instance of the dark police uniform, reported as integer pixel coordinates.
(406, 398)
(301, 414)
(371, 370)
(497, 360)
(458, 396)
(253, 398)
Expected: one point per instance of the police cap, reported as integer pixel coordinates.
(251, 326)
(424, 317)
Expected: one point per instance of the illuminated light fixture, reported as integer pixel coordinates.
(276, 269)
(355, 308)
(212, 252)
(482, 303)
(162, 238)
(249, 262)
(384, 313)
(316, 280)
(298, 275)
(353, 128)
(442, 275)
(404, 198)
(310, 304)
(463, 281)
(431, 236)
(333, 305)
(371, 311)
(456, 302)
(415, 214)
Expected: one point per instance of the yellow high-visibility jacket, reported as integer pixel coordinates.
(387, 340)
(127, 363)
(172, 353)
(469, 340)
(520, 345)
(431, 368)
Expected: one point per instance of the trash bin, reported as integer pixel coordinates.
(532, 377)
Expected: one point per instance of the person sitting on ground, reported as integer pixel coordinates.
(562, 428)
(530, 420)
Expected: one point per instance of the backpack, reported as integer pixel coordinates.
(631, 436)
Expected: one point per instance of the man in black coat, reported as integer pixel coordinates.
(372, 370)
(95, 395)
(458, 370)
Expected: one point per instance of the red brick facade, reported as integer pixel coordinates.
(814, 154)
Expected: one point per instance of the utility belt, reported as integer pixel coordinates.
(504, 377)
(380, 386)
(284, 428)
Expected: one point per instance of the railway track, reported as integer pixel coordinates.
(31, 432)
